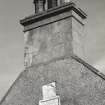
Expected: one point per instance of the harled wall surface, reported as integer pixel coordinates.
(50, 41)
(76, 84)
(53, 62)
(54, 40)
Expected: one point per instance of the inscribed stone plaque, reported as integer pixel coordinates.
(49, 95)
(49, 91)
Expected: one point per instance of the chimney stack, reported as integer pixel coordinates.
(55, 33)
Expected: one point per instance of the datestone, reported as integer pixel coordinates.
(49, 95)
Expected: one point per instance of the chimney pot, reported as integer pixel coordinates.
(52, 3)
(39, 5)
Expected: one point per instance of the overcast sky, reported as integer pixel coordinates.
(11, 37)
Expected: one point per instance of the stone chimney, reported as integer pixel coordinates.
(55, 33)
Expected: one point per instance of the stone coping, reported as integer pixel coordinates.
(52, 12)
(94, 70)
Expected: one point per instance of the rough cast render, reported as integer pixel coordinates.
(53, 41)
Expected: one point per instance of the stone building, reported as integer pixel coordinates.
(55, 73)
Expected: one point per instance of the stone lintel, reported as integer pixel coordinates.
(35, 21)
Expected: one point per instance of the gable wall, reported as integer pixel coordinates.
(76, 84)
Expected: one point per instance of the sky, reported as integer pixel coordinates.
(11, 37)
